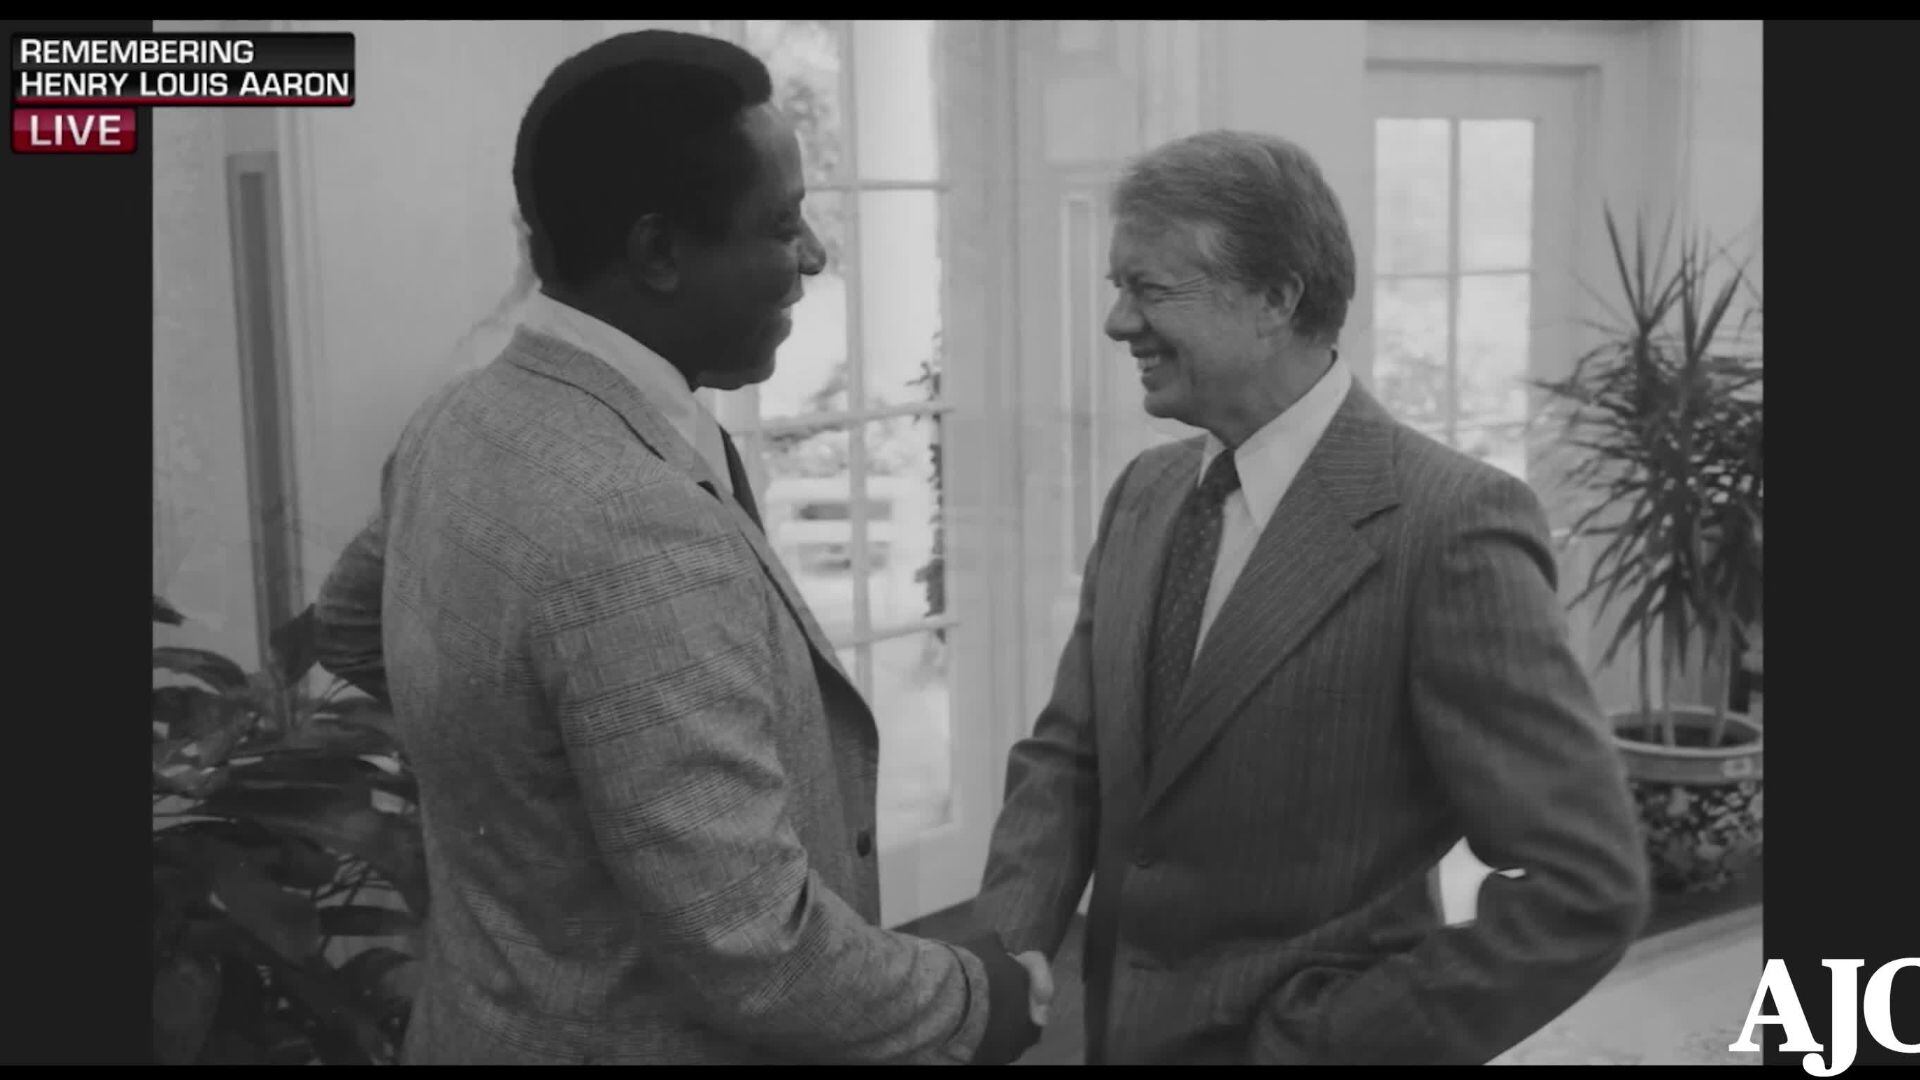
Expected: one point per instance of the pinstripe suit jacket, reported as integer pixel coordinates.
(648, 791)
(1389, 673)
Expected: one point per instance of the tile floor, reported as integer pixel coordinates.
(1677, 999)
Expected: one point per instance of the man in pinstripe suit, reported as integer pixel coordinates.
(1314, 650)
(647, 788)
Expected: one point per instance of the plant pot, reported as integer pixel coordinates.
(1700, 806)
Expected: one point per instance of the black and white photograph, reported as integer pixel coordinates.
(1041, 542)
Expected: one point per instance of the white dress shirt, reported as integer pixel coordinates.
(1267, 463)
(658, 381)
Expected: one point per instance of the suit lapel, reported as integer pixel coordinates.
(555, 359)
(1138, 546)
(1310, 555)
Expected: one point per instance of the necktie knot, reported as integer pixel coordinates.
(1222, 478)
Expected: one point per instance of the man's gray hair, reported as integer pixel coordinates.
(1261, 212)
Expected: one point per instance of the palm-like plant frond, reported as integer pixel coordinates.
(1666, 419)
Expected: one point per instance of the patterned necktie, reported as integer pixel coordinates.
(737, 476)
(1191, 553)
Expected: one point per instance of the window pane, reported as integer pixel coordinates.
(1410, 336)
(850, 662)
(1496, 194)
(805, 511)
(900, 287)
(1494, 319)
(810, 375)
(894, 84)
(911, 706)
(1411, 196)
(804, 58)
(908, 578)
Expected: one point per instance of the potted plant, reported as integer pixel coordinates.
(288, 873)
(1664, 419)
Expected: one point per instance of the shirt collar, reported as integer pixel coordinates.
(659, 382)
(1272, 456)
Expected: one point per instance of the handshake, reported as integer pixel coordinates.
(1020, 992)
(1040, 988)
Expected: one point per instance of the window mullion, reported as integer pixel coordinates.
(896, 631)
(1453, 282)
(786, 425)
(856, 355)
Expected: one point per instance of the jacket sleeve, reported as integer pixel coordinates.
(1042, 852)
(347, 639)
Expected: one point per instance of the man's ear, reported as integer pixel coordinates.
(1282, 300)
(650, 254)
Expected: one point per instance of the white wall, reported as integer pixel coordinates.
(1724, 128)
(202, 539)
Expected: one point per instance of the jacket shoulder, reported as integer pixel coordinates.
(1151, 465)
(560, 444)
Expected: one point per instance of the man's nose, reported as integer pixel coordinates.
(1123, 318)
(813, 254)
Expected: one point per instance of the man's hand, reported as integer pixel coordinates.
(1010, 1032)
(1040, 996)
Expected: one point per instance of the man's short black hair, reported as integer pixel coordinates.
(641, 123)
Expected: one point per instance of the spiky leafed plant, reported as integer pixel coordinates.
(1665, 418)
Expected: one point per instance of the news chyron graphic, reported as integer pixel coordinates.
(77, 93)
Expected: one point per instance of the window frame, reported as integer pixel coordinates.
(740, 409)
(1451, 430)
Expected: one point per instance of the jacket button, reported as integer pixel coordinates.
(863, 843)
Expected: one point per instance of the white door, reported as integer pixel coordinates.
(1477, 184)
(875, 446)
(1477, 191)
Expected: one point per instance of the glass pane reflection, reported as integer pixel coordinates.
(1411, 195)
(1496, 194)
(1410, 335)
(1495, 311)
(911, 704)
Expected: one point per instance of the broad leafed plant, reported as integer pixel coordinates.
(288, 873)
